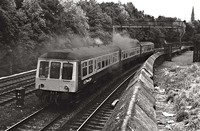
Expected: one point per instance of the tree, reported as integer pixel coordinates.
(19, 3)
(75, 18)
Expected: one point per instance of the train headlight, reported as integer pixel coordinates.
(66, 88)
(41, 86)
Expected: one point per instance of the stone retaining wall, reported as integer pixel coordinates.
(135, 110)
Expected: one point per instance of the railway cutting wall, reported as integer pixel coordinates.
(136, 108)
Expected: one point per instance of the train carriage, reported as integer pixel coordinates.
(63, 73)
(67, 71)
(129, 52)
(146, 48)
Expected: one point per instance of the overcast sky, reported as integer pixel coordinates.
(170, 8)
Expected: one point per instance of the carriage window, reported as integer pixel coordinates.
(133, 53)
(113, 59)
(98, 63)
(124, 55)
(44, 69)
(103, 64)
(95, 64)
(110, 58)
(138, 51)
(84, 68)
(55, 70)
(103, 61)
(67, 71)
(106, 60)
(90, 66)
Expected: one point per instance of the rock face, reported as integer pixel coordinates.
(180, 81)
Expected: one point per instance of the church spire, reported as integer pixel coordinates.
(192, 15)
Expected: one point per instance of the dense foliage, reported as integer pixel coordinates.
(29, 28)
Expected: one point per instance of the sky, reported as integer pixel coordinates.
(169, 8)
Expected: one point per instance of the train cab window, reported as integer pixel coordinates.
(90, 66)
(84, 68)
(67, 71)
(55, 70)
(44, 69)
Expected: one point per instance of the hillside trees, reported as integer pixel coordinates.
(32, 27)
(28, 26)
(9, 31)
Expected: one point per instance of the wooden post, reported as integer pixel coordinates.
(168, 51)
(196, 54)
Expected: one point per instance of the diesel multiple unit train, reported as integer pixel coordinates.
(63, 73)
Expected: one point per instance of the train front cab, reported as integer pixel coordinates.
(56, 76)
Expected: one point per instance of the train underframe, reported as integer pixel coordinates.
(55, 97)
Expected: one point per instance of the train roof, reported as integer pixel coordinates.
(146, 43)
(80, 53)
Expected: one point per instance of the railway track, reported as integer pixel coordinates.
(51, 119)
(9, 84)
(98, 105)
(95, 115)
(10, 95)
(38, 120)
(16, 82)
(8, 79)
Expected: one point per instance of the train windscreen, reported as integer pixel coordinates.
(67, 71)
(44, 69)
(55, 70)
